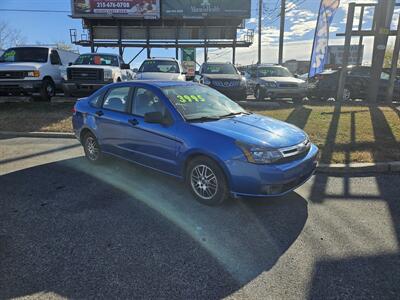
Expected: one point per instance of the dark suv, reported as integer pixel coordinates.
(358, 79)
(225, 78)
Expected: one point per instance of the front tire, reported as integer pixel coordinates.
(92, 149)
(207, 181)
(47, 90)
(259, 94)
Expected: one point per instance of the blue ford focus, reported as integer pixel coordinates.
(195, 133)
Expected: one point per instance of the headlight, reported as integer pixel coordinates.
(64, 74)
(206, 81)
(270, 84)
(243, 82)
(35, 73)
(258, 154)
(108, 74)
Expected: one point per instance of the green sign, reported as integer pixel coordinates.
(206, 8)
(188, 54)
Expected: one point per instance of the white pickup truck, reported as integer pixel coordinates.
(33, 70)
(92, 71)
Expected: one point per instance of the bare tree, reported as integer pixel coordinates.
(9, 36)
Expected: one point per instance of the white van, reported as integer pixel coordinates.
(33, 70)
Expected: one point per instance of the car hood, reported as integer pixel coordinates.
(283, 79)
(223, 76)
(257, 130)
(19, 66)
(92, 67)
(157, 76)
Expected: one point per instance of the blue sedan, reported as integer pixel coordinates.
(195, 133)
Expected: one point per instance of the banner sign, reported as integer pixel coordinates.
(146, 9)
(193, 9)
(320, 47)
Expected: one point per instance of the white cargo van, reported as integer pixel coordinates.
(33, 70)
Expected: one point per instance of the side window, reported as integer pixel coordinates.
(55, 58)
(117, 99)
(145, 101)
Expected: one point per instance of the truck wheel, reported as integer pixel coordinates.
(259, 94)
(47, 90)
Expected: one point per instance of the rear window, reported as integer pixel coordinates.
(159, 66)
(219, 69)
(25, 54)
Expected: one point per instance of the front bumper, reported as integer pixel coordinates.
(17, 87)
(255, 180)
(237, 93)
(284, 92)
(83, 88)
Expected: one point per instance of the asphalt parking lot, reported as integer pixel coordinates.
(72, 230)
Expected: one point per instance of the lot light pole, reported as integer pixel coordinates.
(260, 14)
(282, 31)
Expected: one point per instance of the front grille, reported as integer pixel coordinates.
(296, 152)
(288, 85)
(226, 83)
(84, 74)
(12, 74)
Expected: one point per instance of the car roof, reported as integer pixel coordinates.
(161, 58)
(111, 54)
(164, 83)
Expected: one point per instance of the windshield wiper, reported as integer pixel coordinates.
(204, 119)
(235, 114)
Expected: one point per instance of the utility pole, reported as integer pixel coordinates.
(383, 16)
(282, 31)
(260, 14)
(393, 70)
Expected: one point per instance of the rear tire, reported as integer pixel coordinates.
(92, 148)
(47, 90)
(207, 181)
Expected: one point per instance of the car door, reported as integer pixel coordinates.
(112, 120)
(55, 64)
(153, 145)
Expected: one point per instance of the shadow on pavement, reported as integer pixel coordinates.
(120, 231)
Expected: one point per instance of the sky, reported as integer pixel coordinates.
(301, 17)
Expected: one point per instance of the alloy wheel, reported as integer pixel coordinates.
(204, 182)
(92, 149)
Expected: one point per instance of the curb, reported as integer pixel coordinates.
(63, 135)
(360, 168)
(340, 169)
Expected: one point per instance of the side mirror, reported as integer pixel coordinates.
(155, 117)
(296, 75)
(243, 73)
(197, 72)
(70, 64)
(125, 66)
(135, 70)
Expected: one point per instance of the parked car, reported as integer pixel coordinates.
(160, 69)
(274, 81)
(197, 134)
(33, 70)
(225, 78)
(94, 70)
(356, 85)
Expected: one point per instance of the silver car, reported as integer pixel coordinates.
(274, 81)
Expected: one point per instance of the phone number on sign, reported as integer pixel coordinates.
(112, 5)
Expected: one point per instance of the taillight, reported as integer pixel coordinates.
(74, 109)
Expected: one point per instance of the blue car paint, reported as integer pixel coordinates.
(168, 149)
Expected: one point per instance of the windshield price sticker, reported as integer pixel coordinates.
(190, 98)
(9, 54)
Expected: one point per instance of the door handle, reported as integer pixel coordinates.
(133, 122)
(99, 113)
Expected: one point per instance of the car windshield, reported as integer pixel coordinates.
(197, 102)
(159, 66)
(97, 59)
(274, 72)
(26, 54)
(219, 69)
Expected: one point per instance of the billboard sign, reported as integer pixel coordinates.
(198, 9)
(335, 55)
(146, 9)
(320, 47)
